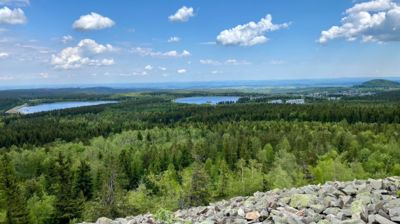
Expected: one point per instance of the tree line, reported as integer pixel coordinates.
(82, 124)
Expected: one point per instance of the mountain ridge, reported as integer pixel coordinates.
(380, 83)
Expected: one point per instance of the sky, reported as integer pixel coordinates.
(153, 41)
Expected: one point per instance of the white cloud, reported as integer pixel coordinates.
(93, 21)
(148, 67)
(226, 62)
(13, 17)
(83, 54)
(214, 72)
(4, 55)
(14, 2)
(162, 68)
(171, 54)
(371, 21)
(181, 71)
(249, 34)
(134, 73)
(67, 38)
(44, 75)
(236, 62)
(182, 15)
(209, 62)
(174, 39)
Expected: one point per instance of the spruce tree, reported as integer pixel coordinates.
(83, 181)
(16, 211)
(67, 207)
(199, 192)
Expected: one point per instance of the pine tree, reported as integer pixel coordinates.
(16, 211)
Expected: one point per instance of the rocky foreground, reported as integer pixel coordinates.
(359, 201)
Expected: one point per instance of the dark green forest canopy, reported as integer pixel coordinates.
(147, 153)
(82, 124)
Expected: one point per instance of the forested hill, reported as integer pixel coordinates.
(372, 201)
(380, 83)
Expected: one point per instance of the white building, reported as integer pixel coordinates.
(295, 101)
(276, 101)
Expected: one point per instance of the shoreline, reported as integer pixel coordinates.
(14, 110)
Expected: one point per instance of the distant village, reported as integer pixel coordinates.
(291, 101)
(324, 95)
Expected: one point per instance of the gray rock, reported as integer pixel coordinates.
(375, 184)
(382, 220)
(104, 220)
(371, 201)
(394, 214)
(332, 211)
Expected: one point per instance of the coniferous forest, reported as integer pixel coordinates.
(147, 153)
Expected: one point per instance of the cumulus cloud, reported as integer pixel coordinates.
(174, 39)
(12, 16)
(181, 71)
(4, 55)
(93, 21)
(371, 21)
(249, 34)
(182, 15)
(83, 54)
(169, 54)
(67, 38)
(148, 67)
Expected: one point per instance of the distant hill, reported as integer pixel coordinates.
(380, 83)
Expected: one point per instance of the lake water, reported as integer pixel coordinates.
(59, 106)
(207, 99)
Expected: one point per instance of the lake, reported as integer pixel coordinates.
(207, 99)
(59, 106)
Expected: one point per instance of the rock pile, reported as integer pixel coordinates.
(368, 201)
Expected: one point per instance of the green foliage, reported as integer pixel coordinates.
(285, 172)
(15, 203)
(66, 203)
(151, 155)
(83, 181)
(330, 167)
(199, 190)
(165, 216)
(41, 209)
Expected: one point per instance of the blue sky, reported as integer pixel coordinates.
(76, 42)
